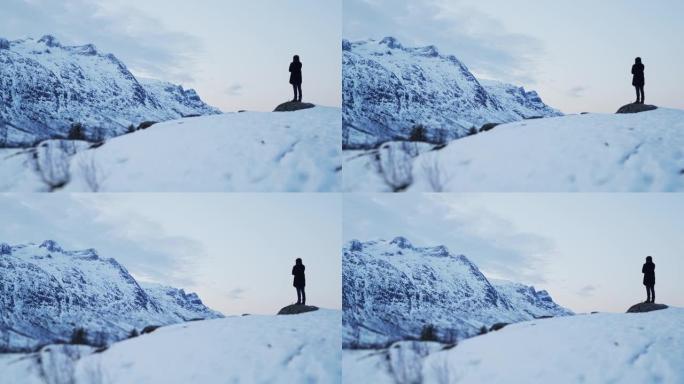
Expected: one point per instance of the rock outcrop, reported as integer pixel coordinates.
(636, 108)
(645, 307)
(295, 309)
(292, 106)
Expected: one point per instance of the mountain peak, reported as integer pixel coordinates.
(387, 298)
(402, 242)
(51, 246)
(54, 293)
(50, 41)
(391, 42)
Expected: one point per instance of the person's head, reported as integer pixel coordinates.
(299, 261)
(296, 58)
(649, 259)
(637, 60)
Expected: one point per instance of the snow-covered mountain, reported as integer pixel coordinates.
(45, 87)
(47, 292)
(389, 89)
(231, 152)
(599, 348)
(595, 152)
(302, 348)
(392, 290)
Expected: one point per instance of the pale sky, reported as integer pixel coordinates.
(234, 53)
(576, 54)
(585, 249)
(235, 250)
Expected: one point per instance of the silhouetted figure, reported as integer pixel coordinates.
(299, 281)
(638, 80)
(296, 77)
(649, 279)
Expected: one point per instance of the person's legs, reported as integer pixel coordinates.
(294, 89)
(652, 291)
(636, 87)
(299, 88)
(299, 295)
(641, 88)
(303, 293)
(648, 294)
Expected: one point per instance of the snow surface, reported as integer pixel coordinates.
(640, 152)
(597, 348)
(302, 348)
(388, 89)
(233, 152)
(392, 289)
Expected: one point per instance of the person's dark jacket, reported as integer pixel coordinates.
(649, 273)
(296, 73)
(638, 75)
(298, 272)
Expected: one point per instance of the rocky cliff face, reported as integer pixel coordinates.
(392, 290)
(390, 90)
(47, 292)
(46, 87)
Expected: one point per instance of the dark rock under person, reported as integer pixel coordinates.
(649, 279)
(299, 281)
(296, 78)
(638, 80)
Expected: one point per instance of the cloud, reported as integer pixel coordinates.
(587, 291)
(141, 41)
(494, 243)
(479, 40)
(85, 221)
(236, 293)
(576, 91)
(234, 89)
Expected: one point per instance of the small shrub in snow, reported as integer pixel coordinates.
(76, 132)
(418, 133)
(429, 333)
(79, 336)
(483, 330)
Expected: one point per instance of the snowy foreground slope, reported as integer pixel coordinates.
(241, 152)
(599, 348)
(302, 348)
(592, 152)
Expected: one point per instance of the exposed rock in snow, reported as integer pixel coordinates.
(292, 106)
(391, 91)
(636, 108)
(47, 292)
(646, 307)
(393, 290)
(295, 309)
(46, 87)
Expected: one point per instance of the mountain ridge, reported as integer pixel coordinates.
(46, 87)
(392, 290)
(47, 292)
(389, 90)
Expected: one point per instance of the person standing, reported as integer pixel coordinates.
(638, 80)
(296, 78)
(649, 279)
(299, 281)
